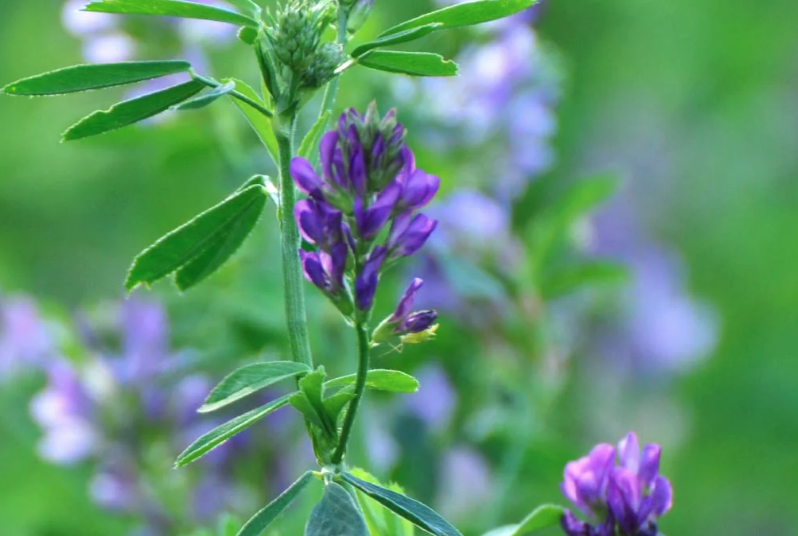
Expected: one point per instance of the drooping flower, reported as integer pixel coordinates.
(368, 182)
(404, 320)
(629, 496)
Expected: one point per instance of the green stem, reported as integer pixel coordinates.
(292, 269)
(235, 94)
(331, 92)
(363, 344)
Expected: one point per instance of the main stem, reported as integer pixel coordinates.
(363, 344)
(292, 268)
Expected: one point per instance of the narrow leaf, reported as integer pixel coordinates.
(207, 98)
(380, 380)
(265, 517)
(410, 63)
(465, 14)
(542, 517)
(311, 141)
(221, 249)
(336, 515)
(132, 111)
(222, 433)
(88, 77)
(419, 514)
(397, 38)
(250, 379)
(185, 243)
(247, 7)
(380, 520)
(171, 8)
(261, 124)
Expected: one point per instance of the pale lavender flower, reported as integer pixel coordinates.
(26, 338)
(466, 482)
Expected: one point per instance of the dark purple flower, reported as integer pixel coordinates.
(366, 283)
(306, 179)
(372, 219)
(409, 233)
(368, 179)
(319, 223)
(405, 306)
(631, 496)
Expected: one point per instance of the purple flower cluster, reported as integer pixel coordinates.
(362, 213)
(625, 499)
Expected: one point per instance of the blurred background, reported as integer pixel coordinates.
(614, 253)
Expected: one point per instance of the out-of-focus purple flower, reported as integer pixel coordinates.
(436, 399)
(368, 179)
(466, 482)
(630, 496)
(26, 340)
(660, 326)
(65, 412)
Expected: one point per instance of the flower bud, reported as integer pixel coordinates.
(357, 12)
(322, 69)
(296, 33)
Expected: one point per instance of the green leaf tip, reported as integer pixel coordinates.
(409, 63)
(417, 513)
(78, 78)
(464, 14)
(170, 8)
(132, 111)
(198, 248)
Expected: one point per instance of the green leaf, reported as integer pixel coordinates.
(228, 525)
(410, 63)
(565, 281)
(207, 98)
(312, 385)
(301, 403)
(222, 433)
(171, 8)
(261, 124)
(419, 514)
(466, 14)
(380, 520)
(395, 39)
(336, 403)
(250, 379)
(336, 515)
(220, 250)
(380, 380)
(188, 242)
(88, 77)
(247, 7)
(543, 517)
(132, 111)
(265, 517)
(311, 141)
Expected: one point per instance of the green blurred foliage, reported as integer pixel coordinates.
(699, 95)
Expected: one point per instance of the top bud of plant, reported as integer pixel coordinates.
(296, 33)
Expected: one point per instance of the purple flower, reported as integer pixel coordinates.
(409, 233)
(631, 496)
(366, 283)
(368, 180)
